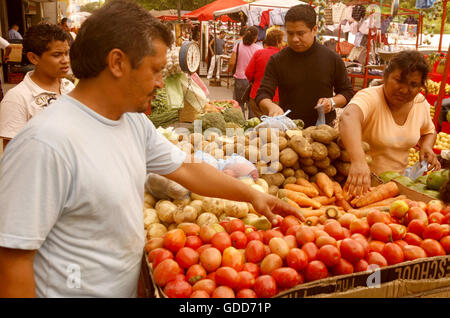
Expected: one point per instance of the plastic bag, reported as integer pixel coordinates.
(162, 188)
(206, 157)
(281, 122)
(238, 167)
(321, 116)
(417, 170)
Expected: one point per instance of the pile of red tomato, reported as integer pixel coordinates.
(235, 260)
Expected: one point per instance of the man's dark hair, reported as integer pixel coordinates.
(408, 62)
(304, 13)
(222, 32)
(38, 37)
(251, 34)
(119, 24)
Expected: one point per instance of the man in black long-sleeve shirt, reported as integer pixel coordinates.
(306, 73)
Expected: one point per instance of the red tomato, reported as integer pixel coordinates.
(445, 242)
(398, 231)
(319, 233)
(251, 268)
(207, 285)
(352, 250)
(393, 253)
(226, 225)
(446, 211)
(221, 241)
(180, 277)
(254, 252)
(270, 263)
(158, 255)
(227, 276)
(432, 248)
(361, 266)
(377, 259)
(359, 226)
(165, 272)
(238, 239)
(223, 292)
(232, 257)
(315, 270)
(434, 206)
(153, 243)
(286, 277)
(293, 229)
(210, 259)
(433, 231)
(237, 225)
(343, 268)
(413, 252)
(199, 294)
(288, 222)
(363, 241)
(203, 247)
(376, 216)
(412, 239)
(347, 233)
(416, 213)
(193, 242)
(246, 280)
(311, 251)
(291, 241)
(325, 240)
(401, 243)
(445, 229)
(178, 289)
(329, 255)
(381, 232)
(255, 235)
(417, 226)
(304, 235)
(270, 234)
(376, 246)
(195, 273)
(174, 240)
(265, 286)
(334, 229)
(297, 259)
(246, 293)
(186, 257)
(190, 229)
(436, 217)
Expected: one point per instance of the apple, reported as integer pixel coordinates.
(399, 208)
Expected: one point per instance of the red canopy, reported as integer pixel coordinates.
(205, 13)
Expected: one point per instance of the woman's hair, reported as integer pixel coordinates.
(274, 37)
(408, 62)
(251, 34)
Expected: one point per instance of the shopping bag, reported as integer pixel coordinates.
(416, 170)
(281, 122)
(321, 116)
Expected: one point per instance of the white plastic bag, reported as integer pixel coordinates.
(206, 157)
(281, 122)
(417, 170)
(321, 116)
(237, 166)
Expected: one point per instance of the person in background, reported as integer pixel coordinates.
(391, 118)
(257, 65)
(242, 32)
(306, 73)
(81, 166)
(47, 48)
(13, 33)
(216, 48)
(65, 26)
(241, 56)
(4, 45)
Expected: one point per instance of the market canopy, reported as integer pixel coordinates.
(205, 13)
(262, 4)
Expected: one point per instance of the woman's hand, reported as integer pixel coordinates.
(358, 180)
(428, 154)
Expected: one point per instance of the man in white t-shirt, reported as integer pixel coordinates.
(72, 181)
(4, 45)
(47, 47)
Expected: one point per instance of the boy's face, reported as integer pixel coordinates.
(55, 61)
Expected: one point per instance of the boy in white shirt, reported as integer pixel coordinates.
(47, 48)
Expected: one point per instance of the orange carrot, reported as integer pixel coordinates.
(291, 203)
(304, 182)
(318, 189)
(309, 213)
(299, 198)
(381, 192)
(324, 200)
(312, 220)
(386, 201)
(309, 191)
(324, 182)
(338, 192)
(344, 204)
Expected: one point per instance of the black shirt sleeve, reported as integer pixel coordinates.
(342, 84)
(269, 82)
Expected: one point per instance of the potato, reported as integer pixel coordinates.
(288, 172)
(228, 149)
(247, 180)
(331, 130)
(258, 188)
(311, 170)
(282, 143)
(196, 139)
(322, 164)
(186, 147)
(156, 230)
(306, 162)
(172, 226)
(150, 217)
(210, 147)
(185, 214)
(195, 196)
(322, 136)
(212, 136)
(197, 205)
(165, 210)
(252, 153)
(330, 171)
(340, 143)
(276, 179)
(334, 151)
(366, 146)
(236, 209)
(288, 157)
(182, 202)
(344, 156)
(342, 167)
(263, 183)
(339, 178)
(269, 152)
(296, 166)
(213, 205)
(218, 154)
(299, 173)
(266, 135)
(369, 159)
(273, 190)
(307, 133)
(261, 166)
(253, 141)
(319, 151)
(149, 199)
(290, 180)
(206, 218)
(301, 146)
